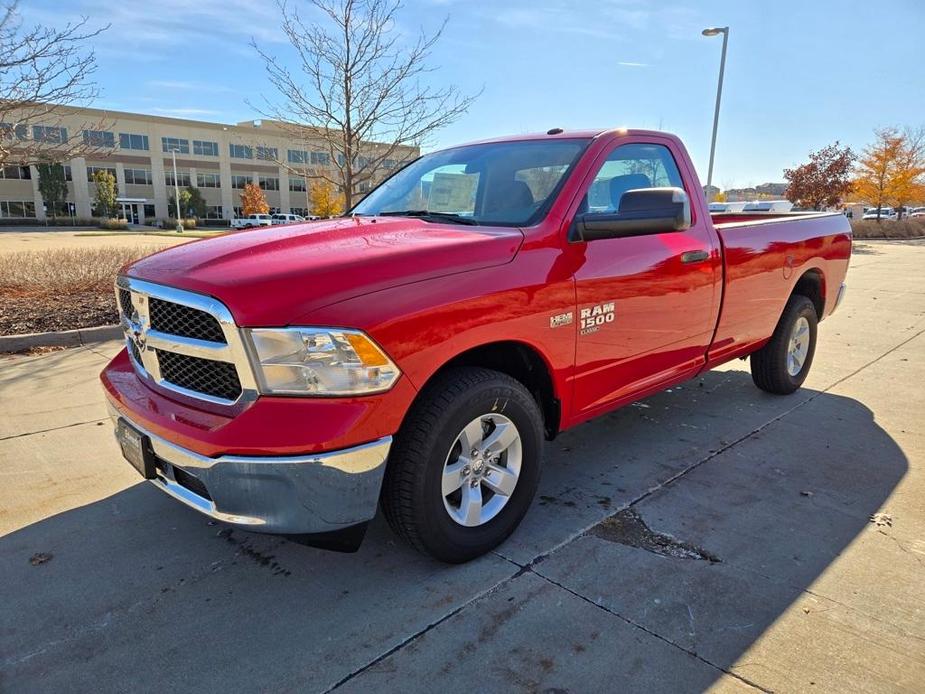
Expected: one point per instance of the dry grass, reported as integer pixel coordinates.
(900, 229)
(61, 289)
(63, 271)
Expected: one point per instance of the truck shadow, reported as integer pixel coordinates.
(134, 591)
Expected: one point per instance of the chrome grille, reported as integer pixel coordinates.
(133, 350)
(125, 301)
(185, 342)
(216, 378)
(177, 319)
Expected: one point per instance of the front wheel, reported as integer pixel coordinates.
(465, 465)
(783, 363)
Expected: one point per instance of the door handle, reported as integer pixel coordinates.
(694, 256)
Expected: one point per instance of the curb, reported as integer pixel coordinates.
(62, 338)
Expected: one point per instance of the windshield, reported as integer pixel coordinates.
(502, 184)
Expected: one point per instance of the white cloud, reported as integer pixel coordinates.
(610, 19)
(136, 26)
(628, 64)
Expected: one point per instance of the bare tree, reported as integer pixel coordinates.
(353, 84)
(43, 69)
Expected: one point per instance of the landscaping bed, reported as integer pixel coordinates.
(885, 229)
(61, 289)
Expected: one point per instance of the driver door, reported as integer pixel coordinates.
(646, 305)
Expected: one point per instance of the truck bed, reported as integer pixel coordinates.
(764, 255)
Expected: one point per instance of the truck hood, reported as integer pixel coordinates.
(271, 276)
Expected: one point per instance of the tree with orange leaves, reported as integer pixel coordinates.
(892, 170)
(326, 202)
(253, 200)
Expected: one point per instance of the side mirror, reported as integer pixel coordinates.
(642, 212)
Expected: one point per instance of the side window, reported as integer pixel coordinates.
(630, 167)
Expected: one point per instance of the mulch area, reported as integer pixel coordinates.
(44, 314)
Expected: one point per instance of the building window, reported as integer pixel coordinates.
(389, 164)
(149, 211)
(297, 184)
(205, 149)
(269, 182)
(67, 172)
(364, 187)
(49, 133)
(17, 208)
(16, 172)
(321, 158)
(341, 160)
(9, 130)
(238, 211)
(183, 178)
(175, 144)
(297, 210)
(131, 141)
(241, 152)
(99, 138)
(208, 180)
(91, 170)
(214, 212)
(297, 156)
(239, 181)
(138, 177)
(267, 153)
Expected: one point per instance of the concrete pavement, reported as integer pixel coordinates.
(710, 537)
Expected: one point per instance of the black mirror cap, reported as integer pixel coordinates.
(642, 212)
(658, 201)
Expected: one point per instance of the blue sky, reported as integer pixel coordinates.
(799, 74)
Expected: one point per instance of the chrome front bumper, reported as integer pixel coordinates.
(305, 494)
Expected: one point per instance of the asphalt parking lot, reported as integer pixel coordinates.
(709, 537)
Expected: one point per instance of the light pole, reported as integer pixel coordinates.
(176, 191)
(715, 31)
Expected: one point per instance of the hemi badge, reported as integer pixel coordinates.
(561, 319)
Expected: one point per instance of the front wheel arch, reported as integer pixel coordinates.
(522, 362)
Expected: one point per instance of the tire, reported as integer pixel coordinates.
(776, 367)
(429, 446)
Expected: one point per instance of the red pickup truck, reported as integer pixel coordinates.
(414, 353)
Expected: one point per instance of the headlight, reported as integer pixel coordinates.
(320, 361)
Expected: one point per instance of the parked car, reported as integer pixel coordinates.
(917, 212)
(287, 218)
(885, 213)
(252, 220)
(416, 353)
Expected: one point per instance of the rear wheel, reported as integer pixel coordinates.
(465, 465)
(783, 363)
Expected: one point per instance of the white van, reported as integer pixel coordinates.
(287, 218)
(719, 207)
(769, 206)
(252, 220)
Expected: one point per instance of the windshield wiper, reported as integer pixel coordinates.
(430, 215)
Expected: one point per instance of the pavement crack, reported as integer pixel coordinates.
(421, 632)
(45, 431)
(693, 654)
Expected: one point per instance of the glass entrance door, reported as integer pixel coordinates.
(129, 212)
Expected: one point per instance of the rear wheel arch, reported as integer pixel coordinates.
(812, 285)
